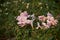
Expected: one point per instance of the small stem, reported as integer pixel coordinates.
(32, 25)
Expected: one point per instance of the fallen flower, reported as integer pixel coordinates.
(22, 19)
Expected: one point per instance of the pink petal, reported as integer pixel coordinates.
(28, 21)
(52, 18)
(48, 23)
(42, 18)
(21, 24)
(54, 22)
(24, 13)
(18, 18)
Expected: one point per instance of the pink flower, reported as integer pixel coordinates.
(42, 18)
(22, 19)
(56, 21)
(53, 21)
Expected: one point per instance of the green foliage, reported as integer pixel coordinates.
(10, 9)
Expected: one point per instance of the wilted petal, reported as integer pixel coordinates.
(54, 22)
(28, 21)
(48, 23)
(52, 19)
(42, 18)
(45, 25)
(21, 24)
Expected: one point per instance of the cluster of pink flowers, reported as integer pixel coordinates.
(23, 19)
(47, 21)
